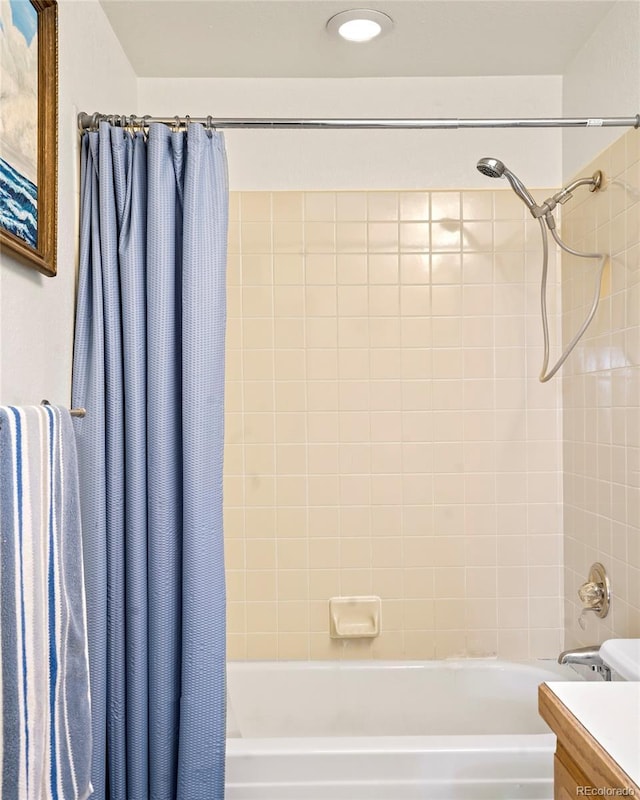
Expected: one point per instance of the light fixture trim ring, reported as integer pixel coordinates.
(381, 19)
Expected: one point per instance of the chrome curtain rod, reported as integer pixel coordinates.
(88, 122)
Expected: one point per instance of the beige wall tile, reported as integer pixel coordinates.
(445, 205)
(599, 452)
(287, 205)
(383, 268)
(288, 268)
(255, 206)
(383, 433)
(477, 205)
(351, 205)
(319, 206)
(351, 237)
(414, 206)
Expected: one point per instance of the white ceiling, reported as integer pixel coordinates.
(288, 38)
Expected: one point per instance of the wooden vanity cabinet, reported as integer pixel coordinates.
(581, 765)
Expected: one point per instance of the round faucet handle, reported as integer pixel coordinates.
(591, 594)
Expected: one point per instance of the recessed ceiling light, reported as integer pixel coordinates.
(360, 24)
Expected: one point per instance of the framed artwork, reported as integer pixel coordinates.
(28, 131)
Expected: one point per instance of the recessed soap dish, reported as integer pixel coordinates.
(354, 617)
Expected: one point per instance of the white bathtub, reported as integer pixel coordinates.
(433, 730)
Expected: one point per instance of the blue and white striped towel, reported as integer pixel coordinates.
(46, 716)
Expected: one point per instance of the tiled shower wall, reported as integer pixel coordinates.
(601, 397)
(385, 430)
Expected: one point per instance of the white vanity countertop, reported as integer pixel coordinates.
(610, 712)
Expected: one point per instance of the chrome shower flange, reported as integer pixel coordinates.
(597, 179)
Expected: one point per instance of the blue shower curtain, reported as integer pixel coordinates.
(149, 369)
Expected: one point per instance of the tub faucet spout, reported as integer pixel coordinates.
(586, 657)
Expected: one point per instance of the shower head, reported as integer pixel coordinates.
(491, 167)
(494, 168)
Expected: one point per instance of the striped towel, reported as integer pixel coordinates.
(45, 741)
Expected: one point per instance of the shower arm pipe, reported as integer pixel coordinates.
(592, 181)
(88, 122)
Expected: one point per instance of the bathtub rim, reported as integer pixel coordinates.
(492, 662)
(354, 745)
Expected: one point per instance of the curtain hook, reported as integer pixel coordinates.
(187, 120)
(177, 123)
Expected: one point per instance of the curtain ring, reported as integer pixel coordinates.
(177, 124)
(134, 125)
(187, 120)
(95, 121)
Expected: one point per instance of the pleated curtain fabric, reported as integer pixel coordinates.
(149, 369)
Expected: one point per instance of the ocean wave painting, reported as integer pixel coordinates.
(19, 127)
(18, 204)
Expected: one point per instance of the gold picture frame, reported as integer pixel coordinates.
(29, 147)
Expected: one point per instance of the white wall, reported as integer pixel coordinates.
(336, 160)
(602, 80)
(36, 312)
